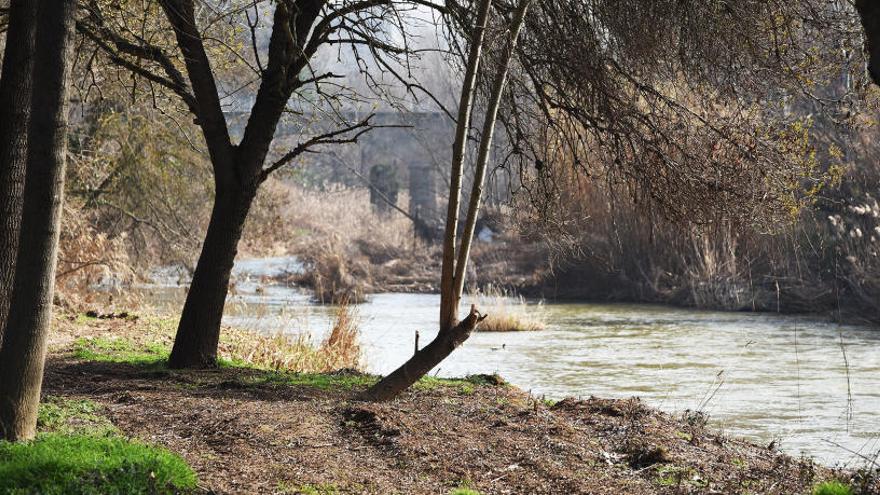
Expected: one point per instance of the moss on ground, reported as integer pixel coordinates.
(72, 416)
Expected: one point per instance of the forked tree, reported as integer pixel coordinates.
(23, 351)
(671, 100)
(283, 73)
(453, 332)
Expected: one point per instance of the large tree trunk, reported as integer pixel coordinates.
(23, 352)
(198, 333)
(15, 98)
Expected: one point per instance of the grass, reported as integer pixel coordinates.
(147, 342)
(71, 416)
(833, 487)
(79, 451)
(61, 464)
(351, 381)
(119, 350)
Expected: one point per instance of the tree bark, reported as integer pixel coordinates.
(424, 360)
(198, 332)
(22, 355)
(869, 11)
(15, 95)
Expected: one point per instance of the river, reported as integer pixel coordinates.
(810, 385)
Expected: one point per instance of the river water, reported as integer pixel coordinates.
(810, 385)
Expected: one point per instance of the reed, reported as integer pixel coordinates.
(507, 312)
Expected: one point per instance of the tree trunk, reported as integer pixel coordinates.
(23, 352)
(15, 97)
(425, 359)
(869, 12)
(198, 333)
(451, 336)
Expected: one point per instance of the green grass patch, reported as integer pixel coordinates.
(61, 464)
(464, 488)
(63, 415)
(833, 487)
(321, 381)
(308, 489)
(112, 350)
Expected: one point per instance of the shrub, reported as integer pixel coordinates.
(832, 488)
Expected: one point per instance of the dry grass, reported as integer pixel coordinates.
(508, 313)
(151, 338)
(278, 351)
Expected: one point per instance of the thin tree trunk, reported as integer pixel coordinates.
(448, 306)
(198, 332)
(15, 95)
(486, 138)
(23, 353)
(449, 338)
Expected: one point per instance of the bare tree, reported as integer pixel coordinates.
(453, 332)
(299, 30)
(15, 93)
(23, 351)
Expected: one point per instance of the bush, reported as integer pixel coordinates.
(80, 464)
(832, 488)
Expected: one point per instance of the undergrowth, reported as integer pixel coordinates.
(833, 487)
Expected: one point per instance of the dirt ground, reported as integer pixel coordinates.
(245, 434)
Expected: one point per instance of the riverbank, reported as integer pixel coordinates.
(249, 430)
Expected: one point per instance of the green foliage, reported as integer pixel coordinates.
(464, 489)
(60, 464)
(833, 487)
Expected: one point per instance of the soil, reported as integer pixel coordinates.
(243, 435)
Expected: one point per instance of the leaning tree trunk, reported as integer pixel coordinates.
(198, 332)
(425, 359)
(23, 351)
(452, 332)
(15, 97)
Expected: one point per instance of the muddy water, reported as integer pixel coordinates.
(812, 386)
